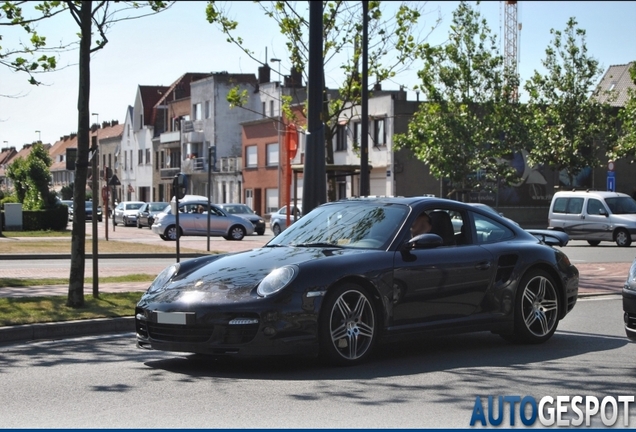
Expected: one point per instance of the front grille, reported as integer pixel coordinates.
(223, 334)
(173, 333)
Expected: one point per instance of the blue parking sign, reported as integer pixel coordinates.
(611, 183)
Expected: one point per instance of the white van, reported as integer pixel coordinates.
(594, 216)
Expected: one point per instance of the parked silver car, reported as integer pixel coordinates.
(126, 212)
(193, 221)
(148, 211)
(278, 221)
(244, 211)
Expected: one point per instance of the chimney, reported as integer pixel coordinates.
(295, 80)
(264, 74)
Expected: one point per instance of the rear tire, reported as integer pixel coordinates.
(622, 237)
(276, 230)
(536, 309)
(237, 233)
(348, 326)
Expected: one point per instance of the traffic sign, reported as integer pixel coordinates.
(611, 183)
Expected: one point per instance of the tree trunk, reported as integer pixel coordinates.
(78, 252)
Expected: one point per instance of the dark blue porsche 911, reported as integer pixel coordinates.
(349, 275)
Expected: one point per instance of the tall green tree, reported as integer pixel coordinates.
(469, 123)
(31, 177)
(91, 18)
(392, 41)
(626, 145)
(570, 129)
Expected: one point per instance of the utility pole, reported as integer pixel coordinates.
(364, 141)
(315, 179)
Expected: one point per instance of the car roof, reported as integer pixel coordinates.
(578, 193)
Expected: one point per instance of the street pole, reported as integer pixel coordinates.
(278, 126)
(95, 181)
(364, 141)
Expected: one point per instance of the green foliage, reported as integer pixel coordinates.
(31, 177)
(67, 192)
(468, 125)
(568, 126)
(626, 145)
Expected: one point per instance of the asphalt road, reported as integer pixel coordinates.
(106, 382)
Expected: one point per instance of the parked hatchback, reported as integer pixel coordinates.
(126, 212)
(193, 221)
(148, 211)
(278, 221)
(594, 216)
(244, 211)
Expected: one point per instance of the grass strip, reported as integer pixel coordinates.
(27, 282)
(30, 310)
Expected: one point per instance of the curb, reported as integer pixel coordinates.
(64, 329)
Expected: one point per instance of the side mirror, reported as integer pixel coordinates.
(424, 241)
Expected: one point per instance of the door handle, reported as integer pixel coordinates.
(483, 265)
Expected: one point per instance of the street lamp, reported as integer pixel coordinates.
(39, 136)
(280, 120)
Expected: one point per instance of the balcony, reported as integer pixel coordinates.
(170, 137)
(168, 173)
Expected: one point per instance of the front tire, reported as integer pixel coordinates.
(536, 309)
(623, 239)
(348, 326)
(276, 230)
(171, 233)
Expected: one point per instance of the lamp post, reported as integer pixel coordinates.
(39, 136)
(280, 120)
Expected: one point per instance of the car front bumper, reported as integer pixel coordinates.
(629, 309)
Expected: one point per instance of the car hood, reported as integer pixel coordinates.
(229, 278)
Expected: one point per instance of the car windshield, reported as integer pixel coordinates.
(238, 209)
(346, 224)
(621, 205)
(134, 206)
(157, 207)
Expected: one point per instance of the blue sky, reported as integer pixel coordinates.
(157, 50)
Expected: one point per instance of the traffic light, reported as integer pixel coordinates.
(180, 185)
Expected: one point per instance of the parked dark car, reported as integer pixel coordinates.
(88, 206)
(148, 211)
(244, 211)
(629, 303)
(348, 276)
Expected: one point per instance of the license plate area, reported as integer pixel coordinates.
(176, 318)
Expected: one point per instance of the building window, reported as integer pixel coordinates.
(271, 200)
(341, 138)
(251, 159)
(271, 108)
(208, 112)
(379, 134)
(147, 156)
(272, 154)
(140, 157)
(264, 108)
(357, 134)
(196, 111)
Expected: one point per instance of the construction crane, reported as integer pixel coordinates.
(511, 32)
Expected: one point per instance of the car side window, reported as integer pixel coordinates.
(560, 205)
(490, 231)
(595, 207)
(575, 206)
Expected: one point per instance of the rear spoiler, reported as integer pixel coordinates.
(550, 237)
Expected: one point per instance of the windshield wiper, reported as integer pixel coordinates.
(276, 245)
(319, 244)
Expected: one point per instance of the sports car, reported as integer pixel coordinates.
(348, 277)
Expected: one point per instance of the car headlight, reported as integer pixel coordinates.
(631, 277)
(164, 278)
(276, 280)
